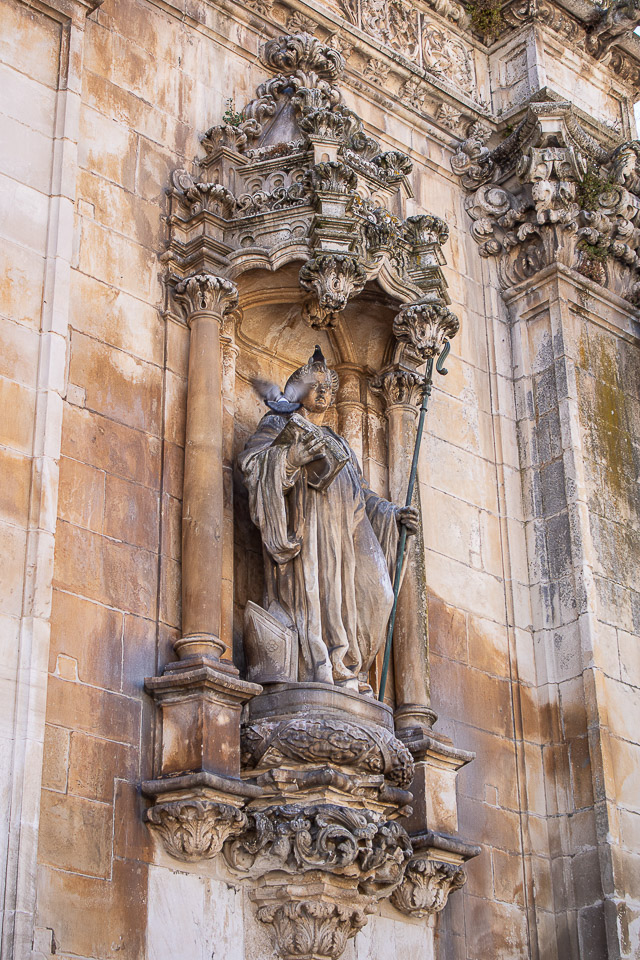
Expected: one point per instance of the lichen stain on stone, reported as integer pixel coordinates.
(604, 418)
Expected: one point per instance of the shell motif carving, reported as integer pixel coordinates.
(426, 325)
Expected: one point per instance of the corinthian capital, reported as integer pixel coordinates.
(426, 325)
(205, 293)
(398, 387)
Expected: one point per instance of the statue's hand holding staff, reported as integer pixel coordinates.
(305, 450)
(408, 517)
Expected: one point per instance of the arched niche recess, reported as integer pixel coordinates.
(272, 339)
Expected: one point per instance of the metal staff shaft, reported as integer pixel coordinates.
(428, 383)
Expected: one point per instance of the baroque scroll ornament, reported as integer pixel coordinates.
(323, 837)
(318, 206)
(552, 193)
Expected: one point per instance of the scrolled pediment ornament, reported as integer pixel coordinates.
(552, 193)
(335, 201)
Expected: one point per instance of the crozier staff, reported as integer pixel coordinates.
(329, 550)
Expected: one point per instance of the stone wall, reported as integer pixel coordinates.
(528, 487)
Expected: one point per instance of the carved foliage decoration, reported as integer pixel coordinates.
(294, 176)
(301, 740)
(333, 279)
(425, 326)
(551, 193)
(335, 840)
(447, 57)
(313, 928)
(426, 886)
(194, 830)
(205, 292)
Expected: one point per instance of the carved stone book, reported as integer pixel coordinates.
(323, 470)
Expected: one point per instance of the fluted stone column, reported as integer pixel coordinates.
(401, 391)
(204, 300)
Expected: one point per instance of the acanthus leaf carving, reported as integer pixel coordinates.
(333, 278)
(193, 830)
(206, 293)
(313, 928)
(426, 325)
(398, 387)
(426, 886)
(551, 193)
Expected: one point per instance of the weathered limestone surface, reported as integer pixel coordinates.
(528, 477)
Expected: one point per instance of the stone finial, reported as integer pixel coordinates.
(426, 886)
(194, 830)
(334, 278)
(426, 325)
(205, 293)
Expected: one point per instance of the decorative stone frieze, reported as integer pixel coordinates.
(552, 193)
(426, 886)
(193, 829)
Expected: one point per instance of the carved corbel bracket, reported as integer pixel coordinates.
(425, 325)
(426, 886)
(193, 829)
(334, 279)
(336, 862)
(551, 193)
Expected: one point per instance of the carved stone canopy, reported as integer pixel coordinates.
(294, 176)
(552, 193)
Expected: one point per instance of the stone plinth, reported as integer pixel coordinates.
(199, 794)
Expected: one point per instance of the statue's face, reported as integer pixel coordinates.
(318, 395)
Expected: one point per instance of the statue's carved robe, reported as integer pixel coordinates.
(329, 556)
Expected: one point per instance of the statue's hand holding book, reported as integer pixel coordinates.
(309, 447)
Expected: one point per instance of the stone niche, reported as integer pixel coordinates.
(288, 235)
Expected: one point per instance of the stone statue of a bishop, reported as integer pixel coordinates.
(329, 542)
